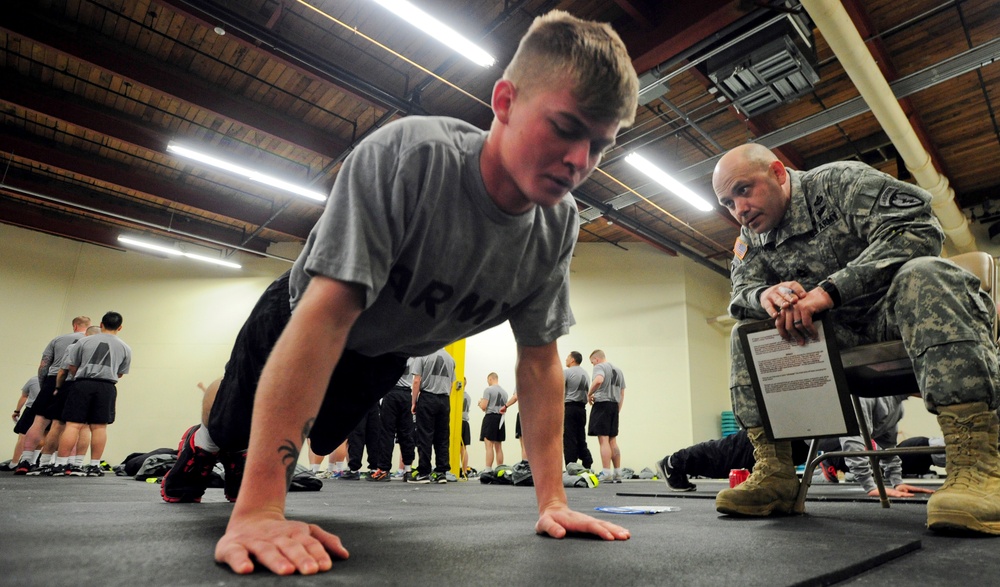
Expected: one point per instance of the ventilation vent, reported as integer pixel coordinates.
(770, 68)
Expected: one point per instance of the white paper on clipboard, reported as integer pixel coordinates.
(797, 384)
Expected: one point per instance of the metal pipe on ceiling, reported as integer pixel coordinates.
(144, 223)
(646, 233)
(310, 60)
(844, 39)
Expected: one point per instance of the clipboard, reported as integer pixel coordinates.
(801, 391)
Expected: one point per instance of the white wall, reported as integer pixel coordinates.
(648, 311)
(180, 318)
(633, 305)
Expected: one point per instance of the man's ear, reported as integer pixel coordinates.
(779, 171)
(504, 94)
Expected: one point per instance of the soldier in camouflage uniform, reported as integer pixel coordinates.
(847, 238)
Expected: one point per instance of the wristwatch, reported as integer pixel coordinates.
(832, 290)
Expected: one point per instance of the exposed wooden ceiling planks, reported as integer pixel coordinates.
(92, 90)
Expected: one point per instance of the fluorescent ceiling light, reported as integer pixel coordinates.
(245, 172)
(659, 176)
(439, 31)
(176, 253)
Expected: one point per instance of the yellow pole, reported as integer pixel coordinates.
(457, 352)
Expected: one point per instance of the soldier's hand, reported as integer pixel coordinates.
(783, 295)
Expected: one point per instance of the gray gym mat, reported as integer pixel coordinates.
(117, 531)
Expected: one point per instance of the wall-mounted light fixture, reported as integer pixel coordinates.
(439, 31)
(661, 177)
(175, 252)
(245, 172)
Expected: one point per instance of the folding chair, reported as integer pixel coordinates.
(884, 369)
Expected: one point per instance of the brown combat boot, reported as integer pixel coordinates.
(970, 498)
(771, 488)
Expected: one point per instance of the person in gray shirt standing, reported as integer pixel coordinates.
(397, 423)
(23, 417)
(47, 370)
(493, 432)
(607, 394)
(575, 414)
(97, 363)
(433, 377)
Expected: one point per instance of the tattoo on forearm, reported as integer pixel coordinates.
(290, 453)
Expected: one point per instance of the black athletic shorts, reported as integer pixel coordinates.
(92, 401)
(491, 429)
(517, 426)
(44, 397)
(57, 404)
(358, 382)
(466, 433)
(603, 419)
(26, 420)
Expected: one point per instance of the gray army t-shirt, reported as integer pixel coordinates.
(496, 397)
(101, 356)
(57, 348)
(436, 371)
(577, 384)
(410, 220)
(611, 388)
(30, 391)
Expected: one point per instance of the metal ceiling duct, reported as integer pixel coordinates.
(772, 67)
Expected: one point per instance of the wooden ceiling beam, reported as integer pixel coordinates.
(55, 192)
(64, 107)
(678, 27)
(639, 11)
(260, 38)
(49, 154)
(859, 15)
(97, 51)
(68, 108)
(56, 223)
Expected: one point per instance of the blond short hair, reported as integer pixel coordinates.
(589, 56)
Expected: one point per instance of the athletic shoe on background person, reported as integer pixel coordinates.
(60, 470)
(233, 465)
(39, 471)
(378, 475)
(187, 480)
(675, 479)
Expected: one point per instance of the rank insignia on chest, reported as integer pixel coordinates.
(740, 248)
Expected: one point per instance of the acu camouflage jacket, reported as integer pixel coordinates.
(846, 222)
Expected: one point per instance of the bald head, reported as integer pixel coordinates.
(748, 156)
(753, 185)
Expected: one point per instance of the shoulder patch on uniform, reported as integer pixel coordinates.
(740, 248)
(891, 197)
